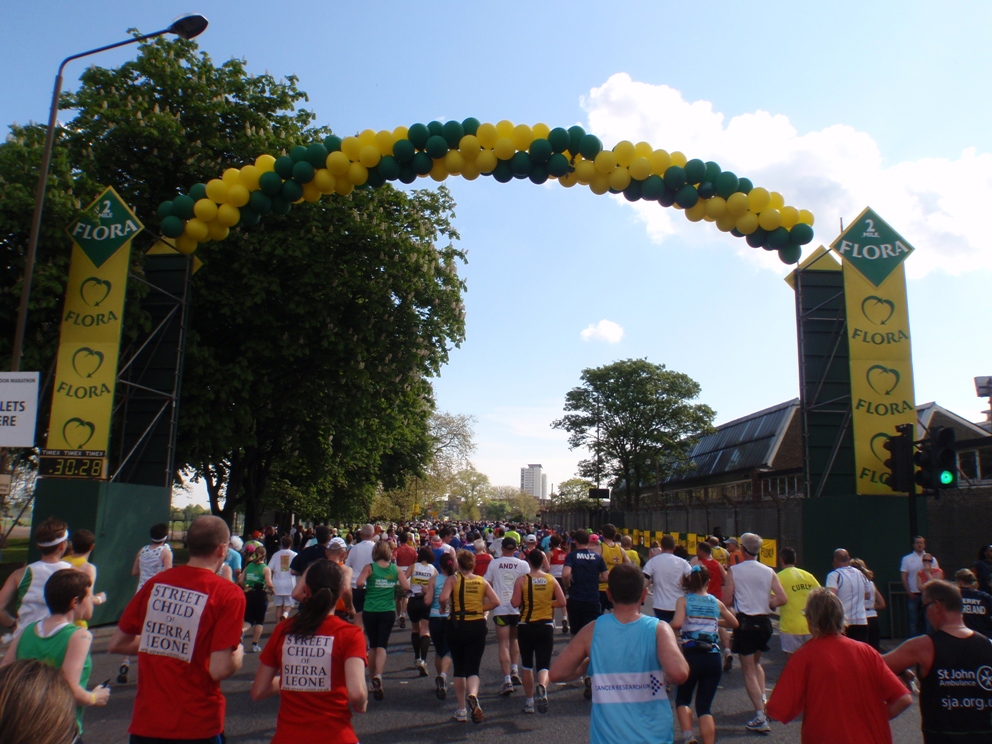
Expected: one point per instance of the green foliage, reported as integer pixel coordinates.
(637, 421)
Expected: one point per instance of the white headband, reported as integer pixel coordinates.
(160, 539)
(53, 543)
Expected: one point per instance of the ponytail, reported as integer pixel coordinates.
(324, 579)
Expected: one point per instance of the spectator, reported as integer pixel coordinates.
(929, 572)
(36, 705)
(983, 569)
(977, 605)
(908, 570)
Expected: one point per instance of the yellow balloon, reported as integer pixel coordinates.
(486, 161)
(399, 133)
(351, 147)
(624, 151)
(726, 222)
(197, 230)
(522, 136)
(696, 212)
(384, 141)
(232, 176)
(217, 190)
(640, 168)
(470, 170)
(205, 210)
(310, 192)
(619, 179)
(776, 200)
(600, 184)
(568, 180)
(643, 150)
(324, 180)
(228, 215)
(737, 203)
(790, 216)
(369, 156)
(265, 163)
(357, 174)
(366, 137)
(238, 195)
(338, 163)
(679, 159)
(343, 187)
(504, 128)
(439, 172)
(217, 231)
(454, 163)
(249, 177)
(757, 199)
(706, 217)
(747, 223)
(806, 217)
(541, 131)
(487, 134)
(585, 171)
(185, 245)
(769, 219)
(504, 148)
(660, 160)
(606, 162)
(716, 207)
(469, 147)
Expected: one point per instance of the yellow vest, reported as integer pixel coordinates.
(613, 557)
(538, 595)
(468, 597)
(797, 584)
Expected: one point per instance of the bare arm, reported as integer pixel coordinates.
(449, 586)
(679, 613)
(265, 684)
(123, 643)
(354, 675)
(136, 566)
(363, 576)
(728, 590)
(226, 663)
(492, 599)
(899, 705)
(166, 555)
(404, 581)
(904, 575)
(780, 597)
(727, 618)
(268, 580)
(7, 594)
(559, 596)
(11, 656)
(672, 661)
(572, 662)
(566, 576)
(72, 669)
(914, 652)
(879, 600)
(518, 591)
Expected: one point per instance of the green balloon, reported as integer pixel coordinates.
(707, 190)
(317, 155)
(471, 125)
(298, 153)
(418, 134)
(270, 183)
(332, 142)
(633, 191)
(800, 234)
(726, 184)
(280, 205)
(303, 172)
(653, 188)
(712, 171)
(668, 198)
(744, 185)
(437, 146)
(435, 128)
(758, 238)
(182, 207)
(590, 146)
(403, 150)
(575, 135)
(736, 233)
(284, 166)
(389, 167)
(291, 191)
(558, 137)
(778, 238)
(540, 150)
(165, 209)
(260, 203)
(172, 226)
(687, 196)
(695, 171)
(407, 174)
(790, 254)
(248, 218)
(558, 165)
(503, 172)
(538, 174)
(422, 163)
(521, 164)
(198, 191)
(452, 131)
(376, 179)
(675, 177)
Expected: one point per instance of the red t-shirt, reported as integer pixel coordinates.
(716, 578)
(313, 692)
(841, 687)
(405, 556)
(182, 615)
(482, 561)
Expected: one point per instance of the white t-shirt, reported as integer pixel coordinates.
(502, 574)
(870, 610)
(358, 558)
(666, 571)
(852, 587)
(911, 564)
(752, 587)
(282, 578)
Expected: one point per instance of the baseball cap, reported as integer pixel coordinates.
(509, 542)
(237, 543)
(593, 538)
(531, 538)
(732, 540)
(337, 543)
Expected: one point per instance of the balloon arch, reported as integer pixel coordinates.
(241, 197)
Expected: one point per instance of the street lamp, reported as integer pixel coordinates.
(186, 27)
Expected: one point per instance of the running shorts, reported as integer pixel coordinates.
(256, 605)
(581, 614)
(417, 609)
(705, 670)
(467, 641)
(378, 626)
(504, 621)
(752, 635)
(439, 635)
(358, 599)
(537, 642)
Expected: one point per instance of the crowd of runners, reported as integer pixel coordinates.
(340, 596)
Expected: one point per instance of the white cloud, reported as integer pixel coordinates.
(938, 205)
(604, 330)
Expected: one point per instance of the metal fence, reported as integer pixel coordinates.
(959, 525)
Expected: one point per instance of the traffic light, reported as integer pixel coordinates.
(900, 464)
(938, 460)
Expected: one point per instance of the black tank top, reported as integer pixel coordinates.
(956, 696)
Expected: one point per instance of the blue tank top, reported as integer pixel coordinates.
(438, 588)
(702, 618)
(628, 685)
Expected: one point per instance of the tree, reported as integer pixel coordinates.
(629, 412)
(469, 491)
(573, 492)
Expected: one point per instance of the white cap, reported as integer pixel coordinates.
(337, 543)
(237, 543)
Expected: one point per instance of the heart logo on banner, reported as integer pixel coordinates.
(877, 310)
(877, 447)
(86, 361)
(882, 379)
(77, 432)
(94, 290)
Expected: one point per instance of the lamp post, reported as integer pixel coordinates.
(187, 27)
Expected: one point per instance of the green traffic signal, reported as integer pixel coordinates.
(946, 477)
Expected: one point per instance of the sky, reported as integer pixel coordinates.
(837, 106)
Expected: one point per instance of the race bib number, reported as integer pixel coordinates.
(284, 563)
(171, 622)
(306, 663)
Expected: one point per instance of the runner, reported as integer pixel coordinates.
(468, 596)
(36, 704)
(283, 581)
(420, 576)
(976, 605)
(793, 628)
(699, 615)
(853, 589)
(438, 625)
(28, 584)
(734, 555)
(665, 572)
(359, 558)
(536, 594)
(255, 580)
(314, 696)
(581, 575)
(233, 561)
(502, 574)
(404, 555)
(337, 551)
(872, 605)
(557, 561)
(627, 543)
(379, 580)
(150, 560)
(482, 558)
(614, 555)
(718, 575)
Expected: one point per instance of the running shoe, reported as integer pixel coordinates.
(122, 674)
(541, 698)
(256, 649)
(587, 693)
(506, 689)
(528, 706)
(441, 687)
(515, 678)
(402, 622)
(461, 715)
(728, 663)
(377, 692)
(473, 704)
(759, 724)
(421, 667)
(564, 627)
